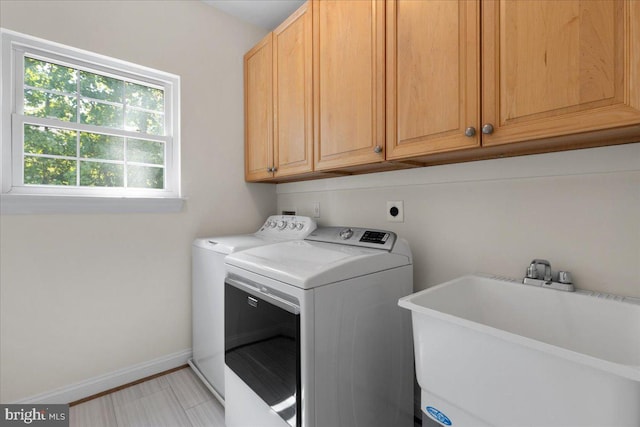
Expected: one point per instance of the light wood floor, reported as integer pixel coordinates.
(177, 399)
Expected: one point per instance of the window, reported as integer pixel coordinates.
(76, 123)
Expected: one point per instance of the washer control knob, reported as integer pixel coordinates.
(300, 226)
(346, 234)
(282, 225)
(272, 224)
(292, 226)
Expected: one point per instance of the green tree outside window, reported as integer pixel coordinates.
(54, 155)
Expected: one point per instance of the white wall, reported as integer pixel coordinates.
(578, 209)
(85, 295)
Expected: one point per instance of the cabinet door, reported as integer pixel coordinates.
(554, 68)
(258, 111)
(433, 76)
(348, 49)
(293, 87)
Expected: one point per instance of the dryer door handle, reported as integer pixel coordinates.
(263, 294)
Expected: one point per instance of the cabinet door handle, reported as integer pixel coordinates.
(470, 131)
(487, 129)
(269, 169)
(377, 149)
(274, 169)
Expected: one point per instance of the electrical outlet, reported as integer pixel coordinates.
(395, 211)
(316, 209)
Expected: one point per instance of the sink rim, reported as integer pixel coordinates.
(627, 371)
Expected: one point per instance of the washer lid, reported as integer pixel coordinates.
(306, 264)
(231, 244)
(277, 228)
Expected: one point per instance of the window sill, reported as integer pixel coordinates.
(14, 204)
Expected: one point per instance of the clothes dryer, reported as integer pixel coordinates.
(313, 333)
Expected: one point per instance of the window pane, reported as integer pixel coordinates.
(145, 97)
(101, 87)
(47, 75)
(99, 114)
(48, 140)
(43, 104)
(145, 177)
(97, 146)
(143, 122)
(142, 151)
(47, 171)
(96, 174)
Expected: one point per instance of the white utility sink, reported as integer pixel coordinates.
(495, 352)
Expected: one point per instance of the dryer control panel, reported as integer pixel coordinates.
(354, 236)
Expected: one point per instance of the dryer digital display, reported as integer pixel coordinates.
(375, 237)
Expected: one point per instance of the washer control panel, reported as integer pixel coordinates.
(354, 236)
(287, 226)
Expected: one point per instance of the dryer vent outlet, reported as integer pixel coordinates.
(395, 211)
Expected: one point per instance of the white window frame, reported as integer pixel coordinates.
(19, 198)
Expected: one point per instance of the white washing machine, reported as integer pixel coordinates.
(208, 291)
(313, 333)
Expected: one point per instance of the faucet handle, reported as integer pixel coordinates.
(532, 271)
(564, 277)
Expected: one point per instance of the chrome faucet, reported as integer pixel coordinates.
(532, 271)
(533, 277)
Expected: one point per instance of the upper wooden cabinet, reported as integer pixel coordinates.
(433, 76)
(278, 101)
(549, 69)
(258, 113)
(554, 68)
(349, 85)
(293, 94)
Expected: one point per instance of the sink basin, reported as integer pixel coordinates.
(495, 352)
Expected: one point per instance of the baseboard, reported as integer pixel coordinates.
(95, 385)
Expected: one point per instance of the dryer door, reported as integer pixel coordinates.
(262, 346)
